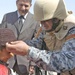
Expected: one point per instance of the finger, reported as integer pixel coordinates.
(13, 42)
(11, 50)
(11, 54)
(9, 46)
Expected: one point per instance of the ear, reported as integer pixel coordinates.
(16, 2)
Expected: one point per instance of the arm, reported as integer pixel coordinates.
(4, 19)
(59, 61)
(3, 23)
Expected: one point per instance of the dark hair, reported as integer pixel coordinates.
(26, 0)
(6, 35)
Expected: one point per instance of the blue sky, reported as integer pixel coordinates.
(10, 5)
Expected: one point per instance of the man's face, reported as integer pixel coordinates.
(47, 25)
(23, 6)
(4, 55)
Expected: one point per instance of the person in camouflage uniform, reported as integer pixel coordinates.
(59, 37)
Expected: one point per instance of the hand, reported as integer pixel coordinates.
(17, 47)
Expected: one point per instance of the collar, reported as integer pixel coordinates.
(25, 16)
(62, 30)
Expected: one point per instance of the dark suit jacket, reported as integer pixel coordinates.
(29, 28)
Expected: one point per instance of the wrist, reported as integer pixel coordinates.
(28, 50)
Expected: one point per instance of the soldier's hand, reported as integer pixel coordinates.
(17, 47)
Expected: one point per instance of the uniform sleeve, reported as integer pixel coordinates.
(36, 42)
(59, 61)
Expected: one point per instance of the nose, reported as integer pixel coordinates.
(23, 7)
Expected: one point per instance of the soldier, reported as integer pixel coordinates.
(59, 37)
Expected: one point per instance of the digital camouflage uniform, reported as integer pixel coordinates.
(59, 55)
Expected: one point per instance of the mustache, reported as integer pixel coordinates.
(23, 11)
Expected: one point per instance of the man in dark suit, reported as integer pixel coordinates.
(26, 32)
